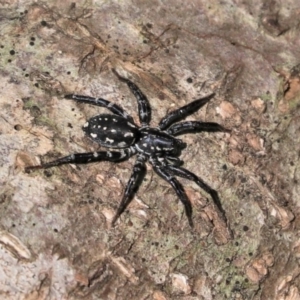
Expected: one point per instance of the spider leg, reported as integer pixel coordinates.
(143, 103)
(184, 111)
(177, 186)
(181, 172)
(195, 126)
(174, 160)
(114, 108)
(136, 177)
(83, 158)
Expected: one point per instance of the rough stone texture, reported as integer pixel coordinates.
(55, 239)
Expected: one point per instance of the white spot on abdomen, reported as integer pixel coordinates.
(93, 135)
(122, 144)
(128, 134)
(107, 140)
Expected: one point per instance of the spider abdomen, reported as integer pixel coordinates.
(111, 131)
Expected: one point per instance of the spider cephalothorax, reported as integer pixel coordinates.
(156, 145)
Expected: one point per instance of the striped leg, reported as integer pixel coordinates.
(136, 178)
(181, 172)
(83, 158)
(143, 103)
(195, 126)
(177, 186)
(183, 112)
(114, 108)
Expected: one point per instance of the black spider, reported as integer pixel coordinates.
(158, 145)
